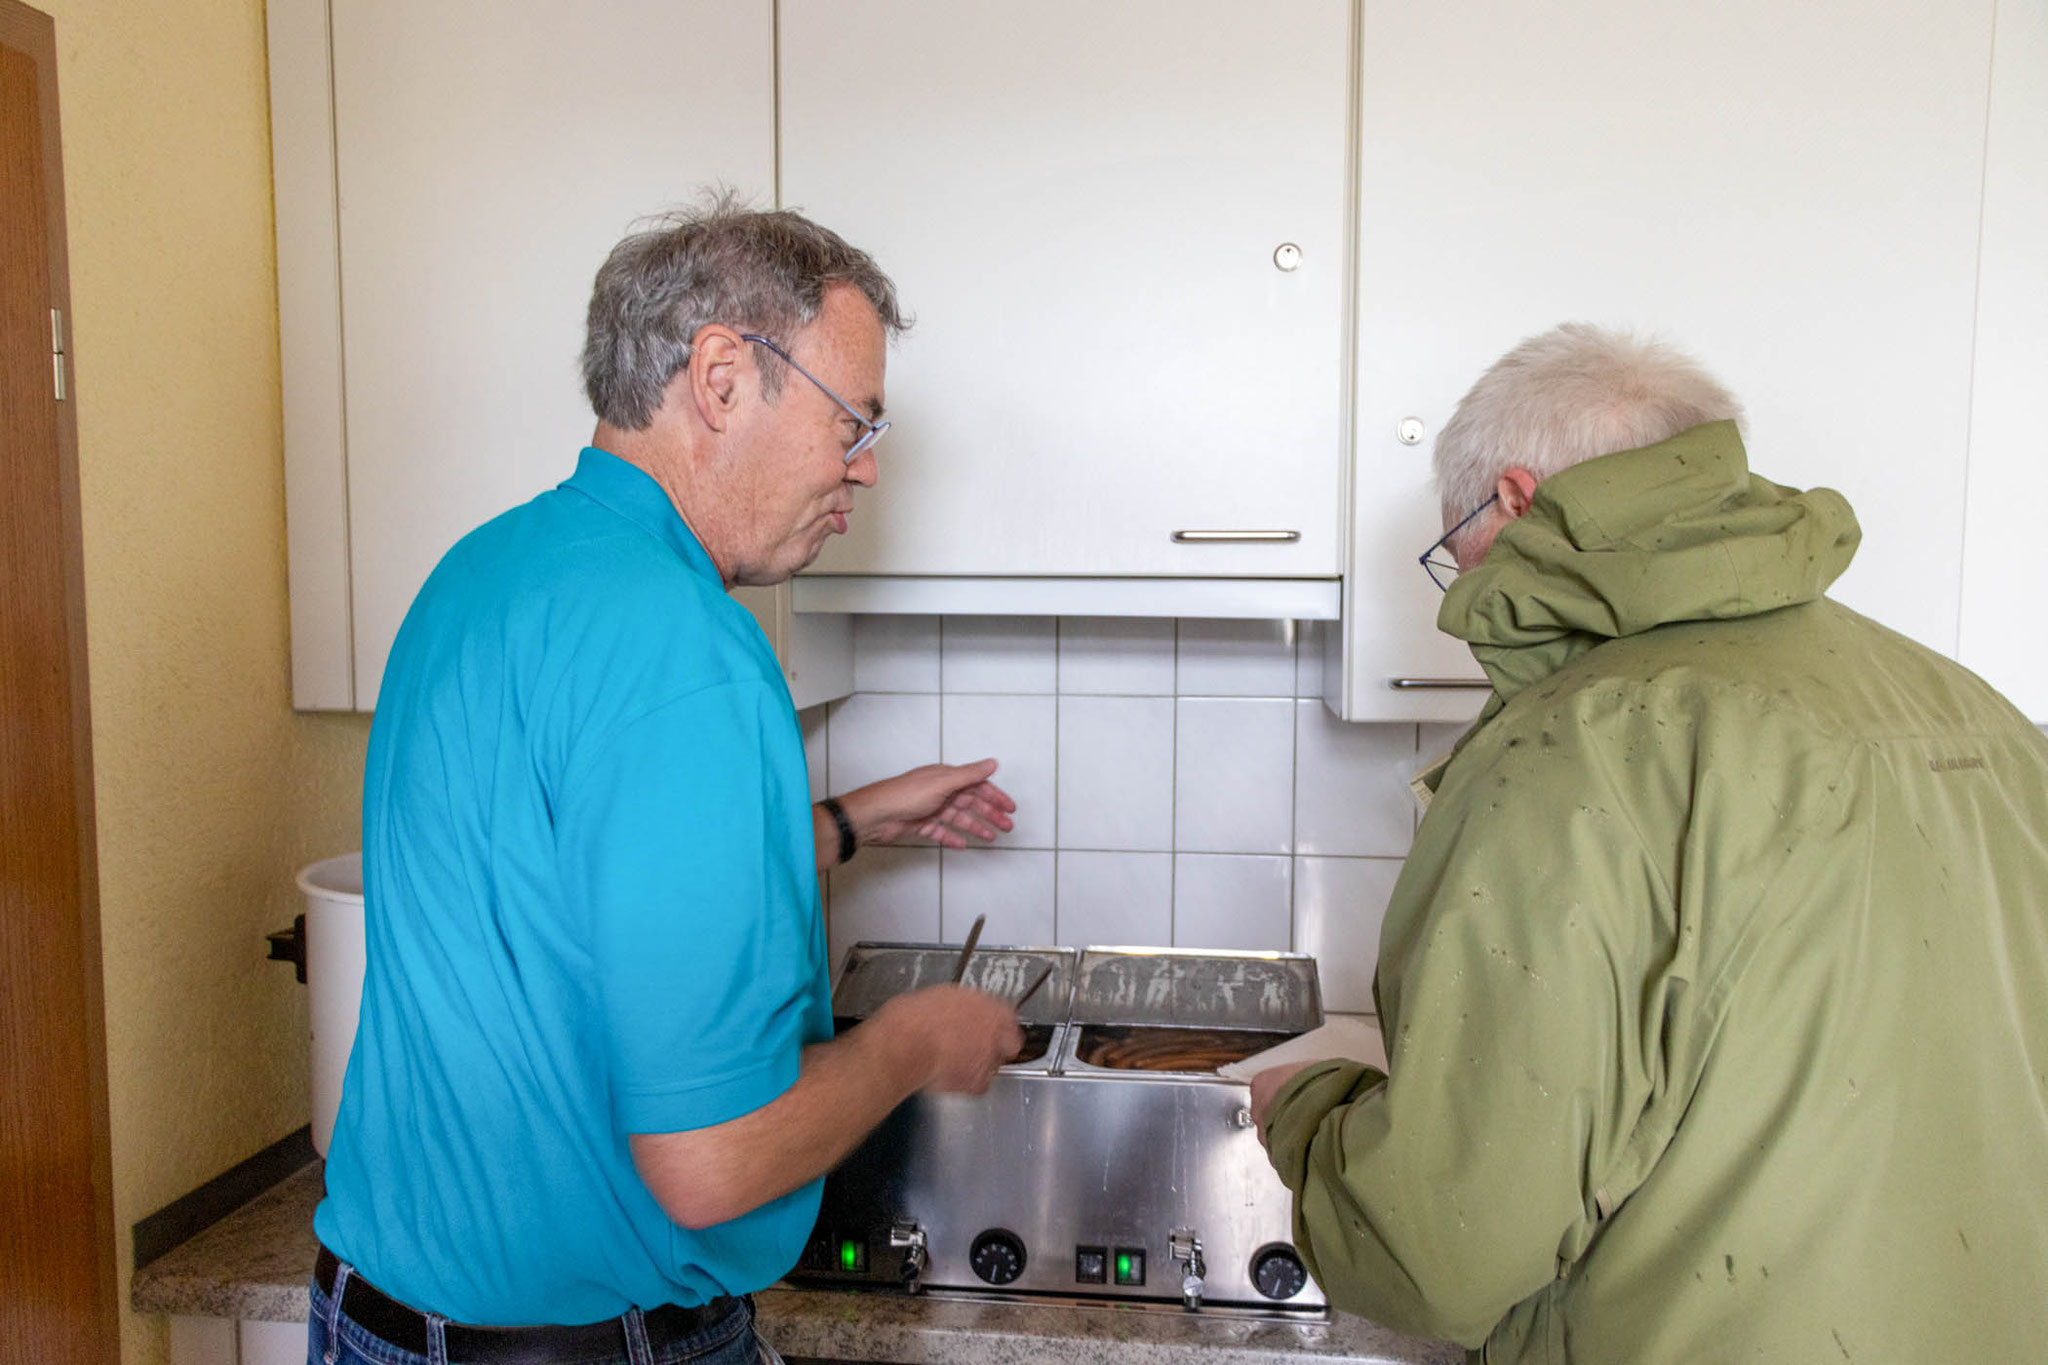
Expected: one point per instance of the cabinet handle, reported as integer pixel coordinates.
(1435, 684)
(1232, 537)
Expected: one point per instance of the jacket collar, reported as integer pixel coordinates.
(1612, 547)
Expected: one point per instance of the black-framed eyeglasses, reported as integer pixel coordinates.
(871, 431)
(1440, 571)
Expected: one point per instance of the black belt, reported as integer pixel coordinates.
(406, 1328)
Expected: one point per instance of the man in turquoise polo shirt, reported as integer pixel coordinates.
(595, 1083)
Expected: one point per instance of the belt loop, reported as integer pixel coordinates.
(437, 1339)
(342, 1270)
(637, 1350)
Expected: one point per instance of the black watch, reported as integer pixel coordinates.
(847, 843)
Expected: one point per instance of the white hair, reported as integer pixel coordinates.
(1573, 393)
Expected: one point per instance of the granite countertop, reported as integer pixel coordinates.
(255, 1264)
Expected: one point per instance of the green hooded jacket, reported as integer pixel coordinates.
(1715, 987)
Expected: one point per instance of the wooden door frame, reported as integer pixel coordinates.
(52, 996)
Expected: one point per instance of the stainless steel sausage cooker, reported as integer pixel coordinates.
(1110, 1160)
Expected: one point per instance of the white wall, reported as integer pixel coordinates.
(1177, 783)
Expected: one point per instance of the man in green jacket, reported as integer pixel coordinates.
(1715, 988)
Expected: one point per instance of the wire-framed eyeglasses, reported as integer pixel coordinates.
(871, 431)
(1442, 571)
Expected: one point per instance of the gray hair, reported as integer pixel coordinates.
(757, 271)
(1573, 393)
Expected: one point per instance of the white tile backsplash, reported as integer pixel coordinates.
(1236, 659)
(1013, 887)
(872, 735)
(1115, 898)
(999, 654)
(1116, 773)
(1339, 904)
(1229, 901)
(896, 653)
(1176, 782)
(891, 894)
(1435, 738)
(1313, 640)
(812, 722)
(1116, 656)
(1351, 796)
(1019, 733)
(1233, 784)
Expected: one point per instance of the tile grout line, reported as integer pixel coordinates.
(1058, 632)
(1173, 797)
(1293, 789)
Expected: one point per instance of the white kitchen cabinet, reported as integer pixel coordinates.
(224, 1341)
(2004, 565)
(1789, 192)
(1122, 229)
(442, 208)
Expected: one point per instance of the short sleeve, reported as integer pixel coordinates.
(674, 848)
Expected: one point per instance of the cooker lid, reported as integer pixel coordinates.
(874, 972)
(1193, 988)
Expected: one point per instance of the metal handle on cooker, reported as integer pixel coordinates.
(1186, 1249)
(905, 1233)
(1235, 537)
(1436, 684)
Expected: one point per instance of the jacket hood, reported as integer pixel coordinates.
(1612, 547)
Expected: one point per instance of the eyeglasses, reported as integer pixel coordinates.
(871, 432)
(1442, 572)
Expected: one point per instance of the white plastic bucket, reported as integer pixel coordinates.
(333, 889)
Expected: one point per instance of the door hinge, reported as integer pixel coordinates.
(57, 351)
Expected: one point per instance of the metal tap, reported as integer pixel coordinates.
(1186, 1250)
(905, 1233)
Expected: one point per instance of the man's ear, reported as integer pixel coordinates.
(717, 357)
(1516, 489)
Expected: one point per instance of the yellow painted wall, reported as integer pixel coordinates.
(211, 792)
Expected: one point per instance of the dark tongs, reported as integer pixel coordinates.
(1032, 989)
(973, 937)
(967, 951)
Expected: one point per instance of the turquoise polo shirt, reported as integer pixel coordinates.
(592, 910)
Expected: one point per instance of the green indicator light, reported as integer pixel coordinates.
(1123, 1267)
(849, 1255)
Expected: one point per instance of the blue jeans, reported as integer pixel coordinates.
(333, 1338)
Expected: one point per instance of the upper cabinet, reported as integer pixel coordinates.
(1791, 193)
(2004, 564)
(1196, 282)
(442, 208)
(1122, 230)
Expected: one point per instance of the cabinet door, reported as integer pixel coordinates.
(1789, 192)
(2005, 562)
(1082, 203)
(488, 156)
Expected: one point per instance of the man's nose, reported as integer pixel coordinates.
(863, 469)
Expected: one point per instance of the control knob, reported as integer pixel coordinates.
(1277, 1272)
(997, 1255)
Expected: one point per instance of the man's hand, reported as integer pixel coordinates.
(1265, 1086)
(952, 1037)
(941, 802)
